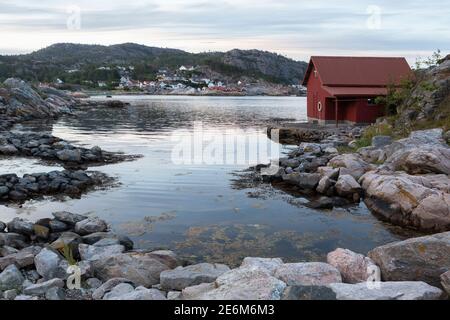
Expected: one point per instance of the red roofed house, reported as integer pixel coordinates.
(343, 89)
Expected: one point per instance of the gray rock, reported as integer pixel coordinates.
(48, 264)
(69, 218)
(107, 287)
(68, 239)
(324, 184)
(182, 277)
(118, 291)
(139, 267)
(174, 295)
(245, 283)
(58, 226)
(97, 236)
(68, 155)
(22, 258)
(354, 267)
(141, 293)
(14, 240)
(331, 173)
(308, 293)
(20, 226)
(347, 187)
(308, 274)
(8, 149)
(355, 166)
(55, 294)
(23, 297)
(90, 225)
(43, 287)
(93, 283)
(10, 294)
(6, 251)
(305, 181)
(267, 264)
(2, 224)
(407, 200)
(408, 290)
(11, 278)
(445, 282)
(92, 253)
(381, 141)
(416, 259)
(107, 242)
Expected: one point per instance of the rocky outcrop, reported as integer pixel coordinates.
(408, 200)
(53, 149)
(36, 185)
(417, 259)
(20, 101)
(428, 100)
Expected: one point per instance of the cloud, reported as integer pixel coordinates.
(295, 28)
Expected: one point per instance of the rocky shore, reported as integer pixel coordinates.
(404, 182)
(37, 261)
(19, 101)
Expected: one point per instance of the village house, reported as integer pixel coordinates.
(344, 89)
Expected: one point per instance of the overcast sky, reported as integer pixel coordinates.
(297, 29)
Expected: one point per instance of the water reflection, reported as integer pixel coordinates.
(196, 209)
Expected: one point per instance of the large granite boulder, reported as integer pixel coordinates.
(354, 267)
(267, 264)
(417, 259)
(445, 282)
(11, 278)
(307, 274)
(182, 277)
(305, 181)
(90, 225)
(408, 290)
(142, 268)
(245, 283)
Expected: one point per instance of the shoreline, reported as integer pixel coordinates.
(35, 257)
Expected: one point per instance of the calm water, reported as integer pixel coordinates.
(198, 210)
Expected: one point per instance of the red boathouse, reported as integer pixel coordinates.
(343, 89)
